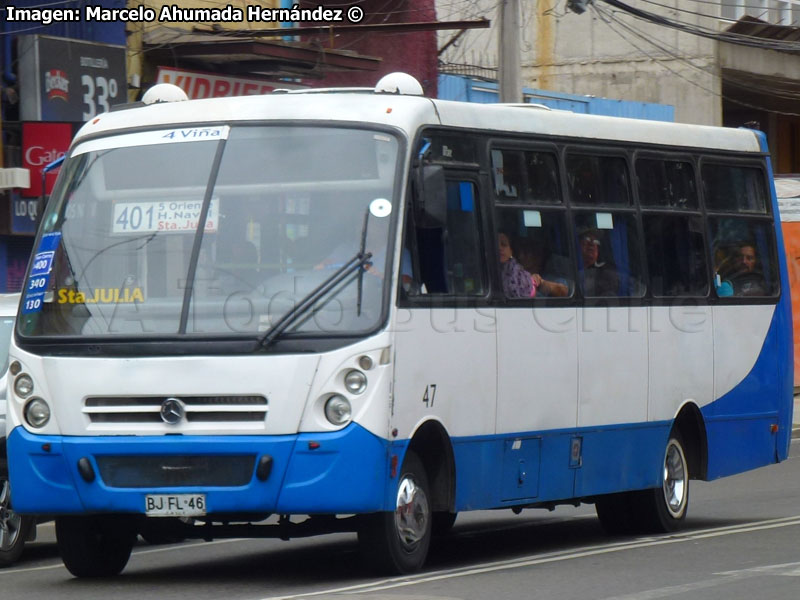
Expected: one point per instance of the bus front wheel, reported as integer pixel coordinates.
(14, 528)
(398, 541)
(97, 546)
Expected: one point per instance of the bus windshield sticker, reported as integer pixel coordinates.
(151, 138)
(40, 273)
(532, 218)
(169, 216)
(380, 207)
(605, 221)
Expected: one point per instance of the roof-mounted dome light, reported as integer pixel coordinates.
(399, 83)
(164, 92)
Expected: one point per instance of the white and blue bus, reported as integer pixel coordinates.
(367, 311)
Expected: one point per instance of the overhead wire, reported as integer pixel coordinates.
(610, 19)
(695, 29)
(675, 54)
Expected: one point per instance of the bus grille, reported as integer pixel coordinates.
(199, 409)
(175, 471)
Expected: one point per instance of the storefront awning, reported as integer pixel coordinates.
(250, 56)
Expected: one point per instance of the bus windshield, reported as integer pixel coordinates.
(214, 231)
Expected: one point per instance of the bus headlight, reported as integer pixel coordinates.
(37, 413)
(23, 385)
(355, 381)
(338, 410)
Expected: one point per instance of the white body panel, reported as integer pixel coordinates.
(681, 357)
(560, 368)
(739, 333)
(612, 366)
(455, 350)
(537, 386)
(295, 387)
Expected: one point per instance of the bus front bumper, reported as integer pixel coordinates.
(328, 473)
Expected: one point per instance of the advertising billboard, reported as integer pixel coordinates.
(198, 84)
(42, 143)
(69, 80)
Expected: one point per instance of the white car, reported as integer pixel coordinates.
(15, 529)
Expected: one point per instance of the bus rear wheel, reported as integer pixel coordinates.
(658, 510)
(398, 542)
(663, 509)
(97, 546)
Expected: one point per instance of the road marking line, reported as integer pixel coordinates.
(398, 582)
(197, 544)
(724, 578)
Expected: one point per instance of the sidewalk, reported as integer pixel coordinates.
(796, 417)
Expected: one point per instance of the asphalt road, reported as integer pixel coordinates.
(741, 541)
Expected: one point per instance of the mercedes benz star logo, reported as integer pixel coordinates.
(173, 411)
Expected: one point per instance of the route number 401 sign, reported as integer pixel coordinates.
(167, 216)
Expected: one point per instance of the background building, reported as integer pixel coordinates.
(725, 62)
(54, 78)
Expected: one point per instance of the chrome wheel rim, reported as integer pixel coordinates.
(412, 514)
(675, 479)
(10, 522)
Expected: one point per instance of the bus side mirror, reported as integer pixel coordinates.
(431, 191)
(41, 203)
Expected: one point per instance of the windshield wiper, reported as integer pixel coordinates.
(356, 262)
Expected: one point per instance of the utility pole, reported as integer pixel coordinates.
(508, 45)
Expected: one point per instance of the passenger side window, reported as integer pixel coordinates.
(525, 176)
(734, 188)
(507, 173)
(676, 258)
(598, 180)
(745, 263)
(449, 254)
(533, 252)
(608, 258)
(666, 183)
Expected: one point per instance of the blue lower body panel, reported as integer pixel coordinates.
(551, 466)
(341, 472)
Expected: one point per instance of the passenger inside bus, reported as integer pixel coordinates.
(238, 264)
(747, 279)
(533, 257)
(599, 278)
(517, 282)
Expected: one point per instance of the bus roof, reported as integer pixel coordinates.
(409, 113)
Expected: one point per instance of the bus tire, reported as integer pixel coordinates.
(95, 546)
(663, 509)
(14, 528)
(398, 541)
